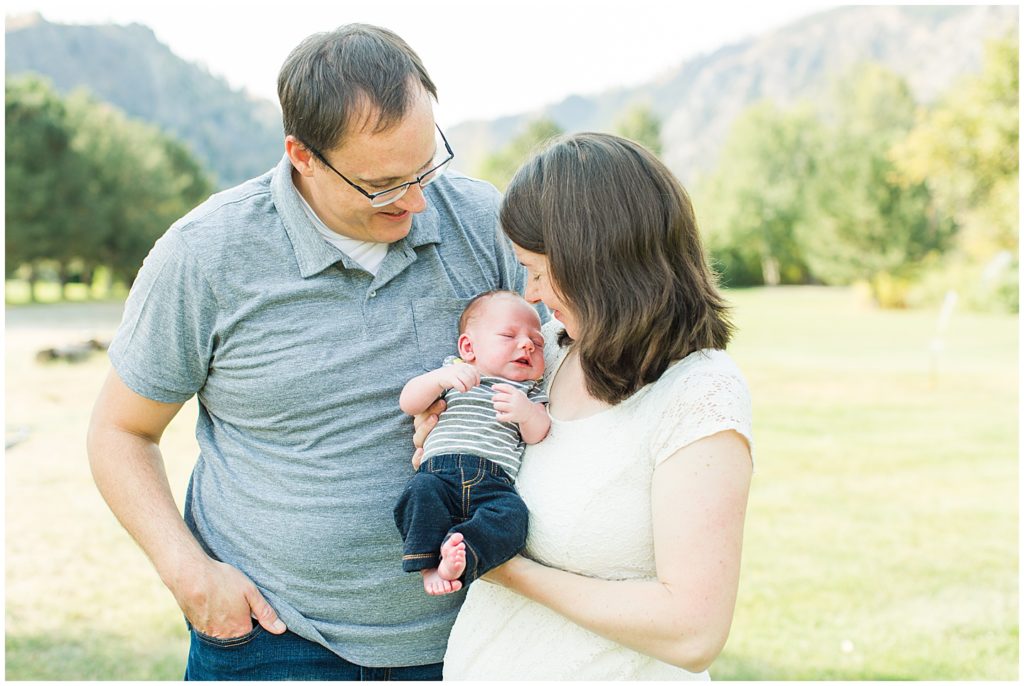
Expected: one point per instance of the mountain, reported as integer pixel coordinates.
(235, 135)
(698, 101)
(239, 136)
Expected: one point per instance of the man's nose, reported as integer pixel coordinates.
(413, 201)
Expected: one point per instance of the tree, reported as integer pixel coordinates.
(499, 167)
(140, 181)
(641, 125)
(86, 186)
(866, 223)
(966, 151)
(43, 177)
(752, 204)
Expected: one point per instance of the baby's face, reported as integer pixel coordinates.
(505, 340)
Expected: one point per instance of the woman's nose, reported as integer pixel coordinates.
(531, 295)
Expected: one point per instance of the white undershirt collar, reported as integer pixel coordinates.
(368, 254)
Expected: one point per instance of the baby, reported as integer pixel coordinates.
(460, 515)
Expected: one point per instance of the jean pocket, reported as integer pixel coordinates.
(231, 642)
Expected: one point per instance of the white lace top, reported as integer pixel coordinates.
(588, 487)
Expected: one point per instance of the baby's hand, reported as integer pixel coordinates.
(460, 377)
(510, 403)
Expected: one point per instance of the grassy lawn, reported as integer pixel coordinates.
(17, 292)
(882, 532)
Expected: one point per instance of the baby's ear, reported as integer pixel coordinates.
(466, 348)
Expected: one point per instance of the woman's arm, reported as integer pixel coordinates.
(699, 501)
(535, 426)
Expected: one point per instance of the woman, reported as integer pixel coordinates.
(637, 496)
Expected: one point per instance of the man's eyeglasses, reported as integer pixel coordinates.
(382, 198)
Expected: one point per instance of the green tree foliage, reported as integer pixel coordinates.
(641, 125)
(499, 167)
(43, 181)
(140, 182)
(966, 151)
(807, 195)
(751, 206)
(866, 223)
(235, 135)
(90, 187)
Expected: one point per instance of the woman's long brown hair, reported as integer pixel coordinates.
(621, 239)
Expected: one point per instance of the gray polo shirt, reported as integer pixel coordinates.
(298, 357)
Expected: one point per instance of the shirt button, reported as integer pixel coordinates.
(373, 294)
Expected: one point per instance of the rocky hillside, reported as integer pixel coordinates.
(235, 135)
(239, 136)
(698, 101)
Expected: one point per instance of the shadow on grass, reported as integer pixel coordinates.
(97, 656)
(730, 667)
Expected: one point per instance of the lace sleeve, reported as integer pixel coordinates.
(700, 403)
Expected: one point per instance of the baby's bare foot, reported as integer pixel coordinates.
(433, 584)
(453, 558)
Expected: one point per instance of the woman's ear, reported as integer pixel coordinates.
(466, 348)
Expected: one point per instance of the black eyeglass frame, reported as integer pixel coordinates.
(405, 186)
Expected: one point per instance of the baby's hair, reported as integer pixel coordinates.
(473, 305)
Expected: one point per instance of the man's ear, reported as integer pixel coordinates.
(466, 348)
(300, 155)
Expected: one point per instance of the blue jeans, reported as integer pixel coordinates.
(263, 656)
(461, 494)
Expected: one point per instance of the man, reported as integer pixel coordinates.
(295, 306)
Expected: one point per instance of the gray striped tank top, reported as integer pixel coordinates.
(470, 427)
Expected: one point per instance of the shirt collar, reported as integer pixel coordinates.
(312, 253)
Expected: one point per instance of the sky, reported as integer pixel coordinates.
(487, 58)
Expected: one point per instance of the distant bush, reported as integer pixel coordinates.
(992, 287)
(868, 187)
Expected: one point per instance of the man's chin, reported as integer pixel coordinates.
(389, 231)
(390, 225)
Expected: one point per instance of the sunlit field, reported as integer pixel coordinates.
(882, 531)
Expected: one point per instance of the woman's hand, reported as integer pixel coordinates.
(424, 423)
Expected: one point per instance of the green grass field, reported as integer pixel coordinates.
(882, 532)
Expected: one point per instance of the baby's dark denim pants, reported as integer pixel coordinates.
(461, 494)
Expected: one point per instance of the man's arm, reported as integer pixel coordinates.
(124, 455)
(423, 423)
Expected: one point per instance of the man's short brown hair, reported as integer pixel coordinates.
(332, 78)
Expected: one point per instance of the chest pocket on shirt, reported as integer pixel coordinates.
(437, 328)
